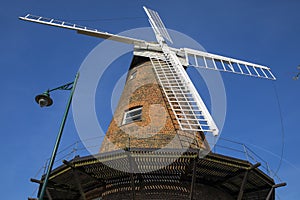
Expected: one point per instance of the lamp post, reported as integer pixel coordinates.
(44, 100)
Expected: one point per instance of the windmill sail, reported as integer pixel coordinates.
(157, 25)
(221, 63)
(184, 100)
(81, 29)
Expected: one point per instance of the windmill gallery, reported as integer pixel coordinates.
(156, 146)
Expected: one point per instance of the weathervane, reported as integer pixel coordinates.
(297, 76)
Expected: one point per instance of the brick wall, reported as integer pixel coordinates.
(158, 127)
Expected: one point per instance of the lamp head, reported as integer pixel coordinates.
(44, 99)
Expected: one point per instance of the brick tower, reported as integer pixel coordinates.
(143, 117)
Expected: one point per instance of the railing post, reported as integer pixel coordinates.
(246, 152)
(45, 166)
(75, 149)
(129, 143)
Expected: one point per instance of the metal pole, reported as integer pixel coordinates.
(58, 137)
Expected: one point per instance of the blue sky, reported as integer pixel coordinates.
(35, 58)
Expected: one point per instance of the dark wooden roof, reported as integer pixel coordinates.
(92, 176)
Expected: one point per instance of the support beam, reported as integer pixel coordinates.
(58, 187)
(75, 172)
(83, 171)
(39, 182)
(47, 191)
(48, 194)
(193, 177)
(243, 186)
(131, 175)
(230, 177)
(241, 193)
(273, 188)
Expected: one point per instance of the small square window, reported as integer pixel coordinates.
(133, 75)
(132, 115)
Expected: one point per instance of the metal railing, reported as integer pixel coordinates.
(223, 146)
(240, 150)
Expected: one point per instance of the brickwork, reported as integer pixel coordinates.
(157, 128)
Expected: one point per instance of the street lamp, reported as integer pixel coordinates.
(44, 100)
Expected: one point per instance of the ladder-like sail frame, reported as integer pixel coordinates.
(81, 29)
(224, 64)
(184, 100)
(157, 25)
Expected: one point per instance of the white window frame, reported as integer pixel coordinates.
(133, 75)
(128, 118)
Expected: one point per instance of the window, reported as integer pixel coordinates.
(132, 115)
(133, 75)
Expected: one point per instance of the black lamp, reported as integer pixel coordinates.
(44, 99)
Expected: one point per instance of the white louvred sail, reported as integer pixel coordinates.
(81, 29)
(184, 100)
(221, 63)
(157, 25)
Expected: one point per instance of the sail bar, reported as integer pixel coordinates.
(157, 25)
(82, 29)
(221, 63)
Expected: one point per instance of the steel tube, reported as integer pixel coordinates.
(58, 138)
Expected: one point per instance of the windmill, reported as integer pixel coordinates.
(191, 113)
(187, 113)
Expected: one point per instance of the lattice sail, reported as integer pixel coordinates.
(157, 25)
(81, 29)
(220, 63)
(185, 102)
